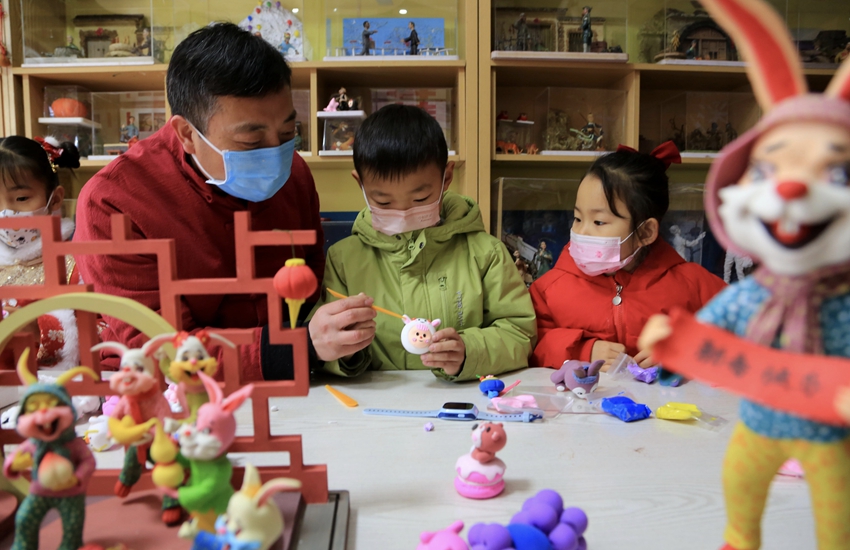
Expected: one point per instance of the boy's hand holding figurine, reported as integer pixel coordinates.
(447, 351)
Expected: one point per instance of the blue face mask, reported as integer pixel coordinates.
(254, 175)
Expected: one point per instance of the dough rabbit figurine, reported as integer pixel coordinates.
(577, 377)
(140, 401)
(190, 359)
(252, 520)
(60, 462)
(417, 334)
(480, 472)
(779, 194)
(203, 449)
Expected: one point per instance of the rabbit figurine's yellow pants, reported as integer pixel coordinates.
(751, 462)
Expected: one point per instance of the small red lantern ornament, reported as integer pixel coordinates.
(295, 282)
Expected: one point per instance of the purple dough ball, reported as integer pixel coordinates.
(575, 517)
(550, 498)
(537, 514)
(563, 537)
(582, 544)
(489, 536)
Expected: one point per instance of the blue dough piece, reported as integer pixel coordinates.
(527, 537)
(668, 378)
(207, 541)
(625, 409)
(492, 387)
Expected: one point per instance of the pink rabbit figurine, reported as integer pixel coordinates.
(203, 449)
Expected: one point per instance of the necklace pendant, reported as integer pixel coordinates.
(616, 300)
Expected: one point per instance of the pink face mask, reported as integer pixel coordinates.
(393, 222)
(599, 255)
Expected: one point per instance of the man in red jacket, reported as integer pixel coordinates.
(228, 148)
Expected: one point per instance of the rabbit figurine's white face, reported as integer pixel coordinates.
(199, 443)
(792, 207)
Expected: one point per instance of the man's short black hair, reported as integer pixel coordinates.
(221, 60)
(398, 140)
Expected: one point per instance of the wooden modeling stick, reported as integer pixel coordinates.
(336, 294)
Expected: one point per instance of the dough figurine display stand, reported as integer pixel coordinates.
(577, 377)
(778, 194)
(136, 520)
(61, 463)
(480, 473)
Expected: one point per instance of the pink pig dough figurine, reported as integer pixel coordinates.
(417, 334)
(479, 473)
(61, 463)
(141, 399)
(444, 539)
(577, 377)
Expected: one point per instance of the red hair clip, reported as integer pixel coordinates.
(53, 151)
(667, 153)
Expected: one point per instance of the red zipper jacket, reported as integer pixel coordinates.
(575, 310)
(157, 186)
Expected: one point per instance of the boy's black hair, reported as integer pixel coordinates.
(23, 159)
(221, 60)
(398, 140)
(637, 179)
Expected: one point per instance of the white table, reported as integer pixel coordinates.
(652, 484)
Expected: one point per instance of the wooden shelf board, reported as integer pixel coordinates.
(438, 74)
(558, 73)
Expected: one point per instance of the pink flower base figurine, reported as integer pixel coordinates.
(479, 473)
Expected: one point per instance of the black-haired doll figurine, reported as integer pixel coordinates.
(542, 259)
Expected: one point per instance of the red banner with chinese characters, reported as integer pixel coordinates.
(800, 384)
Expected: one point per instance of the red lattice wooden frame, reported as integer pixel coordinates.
(313, 477)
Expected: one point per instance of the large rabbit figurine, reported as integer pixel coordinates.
(252, 520)
(203, 449)
(779, 194)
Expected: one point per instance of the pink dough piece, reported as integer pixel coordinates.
(478, 491)
(791, 468)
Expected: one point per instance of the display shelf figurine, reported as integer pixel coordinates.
(417, 334)
(543, 523)
(683, 245)
(366, 39)
(522, 117)
(691, 53)
(523, 268)
(140, 401)
(542, 260)
(774, 204)
(713, 138)
(203, 450)
(503, 115)
(69, 49)
(731, 133)
(129, 131)
(412, 40)
(842, 56)
(507, 147)
(590, 136)
(523, 35)
(586, 30)
(284, 47)
(191, 359)
(61, 463)
(739, 263)
(578, 377)
(479, 472)
(144, 47)
(252, 520)
(342, 137)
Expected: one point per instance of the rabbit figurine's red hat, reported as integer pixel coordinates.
(776, 75)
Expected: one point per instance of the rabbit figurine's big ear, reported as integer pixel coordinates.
(235, 399)
(152, 346)
(273, 486)
(117, 347)
(773, 63)
(212, 388)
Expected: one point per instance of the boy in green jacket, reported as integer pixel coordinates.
(419, 251)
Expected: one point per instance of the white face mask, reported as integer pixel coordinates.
(393, 222)
(16, 238)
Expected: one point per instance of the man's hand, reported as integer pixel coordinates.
(447, 351)
(645, 360)
(342, 328)
(607, 351)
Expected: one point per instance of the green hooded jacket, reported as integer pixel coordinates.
(455, 272)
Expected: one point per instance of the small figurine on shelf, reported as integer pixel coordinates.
(412, 40)
(542, 260)
(531, 149)
(507, 147)
(503, 115)
(203, 450)
(479, 472)
(366, 39)
(577, 377)
(252, 520)
(417, 334)
(697, 140)
(731, 133)
(681, 244)
(342, 137)
(713, 139)
(523, 36)
(144, 47)
(333, 105)
(590, 136)
(741, 264)
(285, 46)
(692, 51)
(69, 50)
(678, 137)
(299, 141)
(675, 41)
(522, 267)
(522, 118)
(61, 463)
(586, 30)
(129, 130)
(342, 100)
(842, 56)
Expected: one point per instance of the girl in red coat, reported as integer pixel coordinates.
(594, 302)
